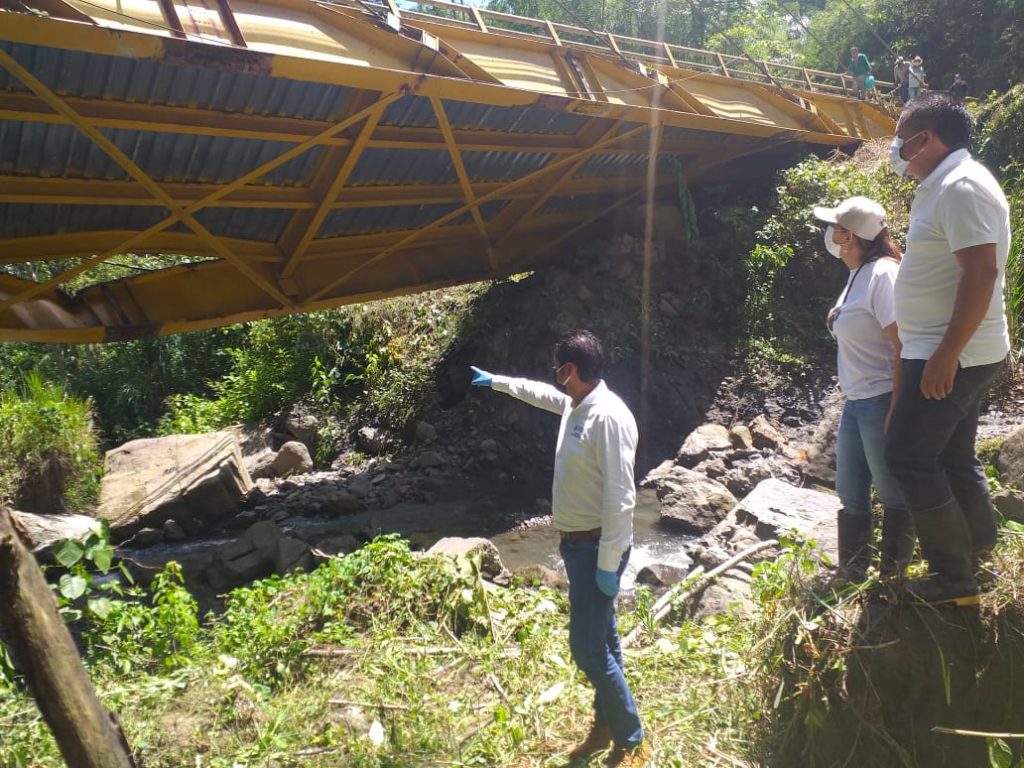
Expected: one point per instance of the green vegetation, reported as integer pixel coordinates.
(390, 658)
(792, 281)
(44, 431)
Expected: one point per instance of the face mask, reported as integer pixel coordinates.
(830, 246)
(896, 161)
(558, 382)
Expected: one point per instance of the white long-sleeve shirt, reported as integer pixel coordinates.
(593, 483)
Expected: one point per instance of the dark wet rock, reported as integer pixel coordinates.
(660, 575)
(304, 425)
(425, 432)
(292, 554)
(250, 557)
(146, 537)
(173, 531)
(371, 440)
(429, 459)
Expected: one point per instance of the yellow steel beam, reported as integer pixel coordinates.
(23, 250)
(460, 172)
(549, 189)
(459, 211)
(132, 242)
(331, 193)
(54, 101)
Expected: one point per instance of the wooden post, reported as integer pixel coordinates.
(86, 734)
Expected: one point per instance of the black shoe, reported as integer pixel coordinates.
(898, 540)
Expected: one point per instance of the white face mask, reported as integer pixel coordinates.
(832, 247)
(896, 161)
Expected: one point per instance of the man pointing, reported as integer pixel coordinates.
(593, 496)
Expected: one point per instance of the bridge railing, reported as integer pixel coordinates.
(648, 51)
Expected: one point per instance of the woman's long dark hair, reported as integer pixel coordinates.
(882, 247)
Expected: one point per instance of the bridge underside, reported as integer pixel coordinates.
(286, 156)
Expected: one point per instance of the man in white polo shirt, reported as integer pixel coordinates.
(592, 502)
(952, 324)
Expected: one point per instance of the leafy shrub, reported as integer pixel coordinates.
(39, 421)
(791, 280)
(267, 626)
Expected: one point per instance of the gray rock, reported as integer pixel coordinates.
(1010, 503)
(303, 425)
(292, 554)
(344, 503)
(764, 434)
(490, 559)
(425, 432)
(261, 466)
(730, 594)
(689, 500)
(145, 537)
(713, 468)
(740, 437)
(430, 459)
(1010, 461)
(821, 454)
(360, 486)
(41, 532)
(292, 459)
(194, 527)
(151, 480)
(660, 575)
(371, 440)
(173, 531)
(488, 446)
(700, 442)
(252, 556)
(541, 576)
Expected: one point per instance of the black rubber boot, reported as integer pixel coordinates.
(981, 522)
(854, 546)
(946, 545)
(897, 546)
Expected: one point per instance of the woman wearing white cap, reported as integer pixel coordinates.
(863, 322)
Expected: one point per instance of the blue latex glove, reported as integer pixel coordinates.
(608, 582)
(481, 378)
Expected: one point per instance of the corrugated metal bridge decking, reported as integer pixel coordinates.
(277, 156)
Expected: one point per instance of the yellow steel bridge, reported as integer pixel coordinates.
(169, 165)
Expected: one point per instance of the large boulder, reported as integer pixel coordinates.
(703, 440)
(821, 454)
(455, 546)
(689, 500)
(252, 556)
(42, 491)
(765, 434)
(1011, 459)
(41, 532)
(149, 481)
(292, 459)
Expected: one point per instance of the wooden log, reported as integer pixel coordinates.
(46, 654)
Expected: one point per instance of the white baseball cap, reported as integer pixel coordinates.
(860, 215)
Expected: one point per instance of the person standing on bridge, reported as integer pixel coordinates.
(863, 322)
(859, 67)
(592, 502)
(952, 324)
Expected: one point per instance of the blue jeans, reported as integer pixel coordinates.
(930, 447)
(860, 456)
(594, 641)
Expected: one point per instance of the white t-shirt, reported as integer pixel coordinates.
(865, 351)
(593, 485)
(959, 205)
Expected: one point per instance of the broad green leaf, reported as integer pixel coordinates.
(101, 607)
(68, 552)
(999, 754)
(72, 587)
(103, 556)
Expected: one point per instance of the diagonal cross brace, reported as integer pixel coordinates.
(335, 187)
(460, 171)
(220, 193)
(119, 157)
(415, 235)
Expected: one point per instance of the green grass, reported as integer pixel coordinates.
(40, 422)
